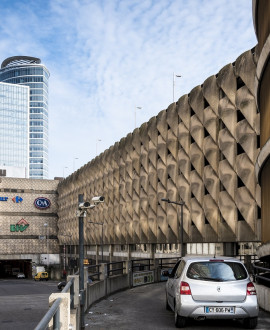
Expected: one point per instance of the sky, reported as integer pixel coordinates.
(112, 61)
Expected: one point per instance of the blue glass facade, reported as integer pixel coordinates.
(14, 126)
(30, 72)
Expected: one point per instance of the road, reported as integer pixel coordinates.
(23, 302)
(144, 308)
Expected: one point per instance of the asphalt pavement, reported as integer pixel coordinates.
(24, 302)
(144, 308)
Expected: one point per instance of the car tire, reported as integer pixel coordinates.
(250, 323)
(179, 321)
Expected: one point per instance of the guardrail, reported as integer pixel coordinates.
(54, 311)
(94, 272)
(165, 263)
(113, 269)
(141, 264)
(261, 273)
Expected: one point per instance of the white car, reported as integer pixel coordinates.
(211, 288)
(20, 275)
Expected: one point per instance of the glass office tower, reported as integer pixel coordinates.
(29, 71)
(14, 128)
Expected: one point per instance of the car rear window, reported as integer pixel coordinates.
(219, 271)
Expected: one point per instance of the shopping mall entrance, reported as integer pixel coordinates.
(10, 268)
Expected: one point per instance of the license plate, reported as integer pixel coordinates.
(219, 310)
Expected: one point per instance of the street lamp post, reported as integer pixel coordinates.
(135, 114)
(181, 203)
(74, 159)
(98, 140)
(64, 171)
(101, 224)
(177, 76)
(65, 254)
(47, 243)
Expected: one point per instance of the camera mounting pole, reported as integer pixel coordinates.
(81, 267)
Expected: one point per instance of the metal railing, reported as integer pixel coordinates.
(54, 311)
(141, 264)
(94, 272)
(114, 269)
(261, 273)
(167, 262)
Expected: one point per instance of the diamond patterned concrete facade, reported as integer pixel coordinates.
(202, 149)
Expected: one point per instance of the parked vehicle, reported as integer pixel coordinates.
(211, 288)
(41, 276)
(15, 271)
(61, 285)
(20, 275)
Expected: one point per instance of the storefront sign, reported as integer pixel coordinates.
(141, 278)
(42, 203)
(3, 199)
(17, 199)
(20, 226)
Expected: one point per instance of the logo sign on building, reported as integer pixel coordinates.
(20, 226)
(42, 203)
(141, 278)
(3, 199)
(17, 199)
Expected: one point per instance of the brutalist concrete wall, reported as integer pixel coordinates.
(202, 148)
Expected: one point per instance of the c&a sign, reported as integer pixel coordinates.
(42, 203)
(20, 226)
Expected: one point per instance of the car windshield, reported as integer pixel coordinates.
(218, 271)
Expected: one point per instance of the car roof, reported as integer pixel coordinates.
(193, 258)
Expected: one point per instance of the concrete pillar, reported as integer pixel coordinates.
(111, 249)
(64, 309)
(97, 254)
(103, 270)
(76, 289)
(157, 270)
(128, 252)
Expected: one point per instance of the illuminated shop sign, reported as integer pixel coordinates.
(42, 203)
(20, 226)
(3, 199)
(17, 199)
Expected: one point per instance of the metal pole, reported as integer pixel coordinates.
(47, 247)
(81, 270)
(173, 85)
(64, 256)
(70, 255)
(182, 230)
(102, 243)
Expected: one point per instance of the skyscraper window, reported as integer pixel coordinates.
(29, 71)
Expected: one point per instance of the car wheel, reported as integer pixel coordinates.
(250, 323)
(179, 321)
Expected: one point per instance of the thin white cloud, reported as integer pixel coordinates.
(107, 57)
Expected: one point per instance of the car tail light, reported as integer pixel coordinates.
(184, 288)
(216, 260)
(251, 291)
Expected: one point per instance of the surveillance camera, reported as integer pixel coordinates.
(86, 205)
(98, 199)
